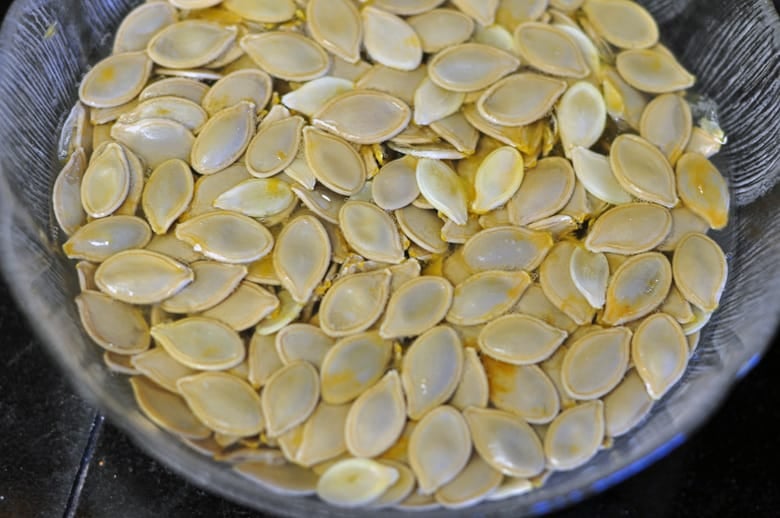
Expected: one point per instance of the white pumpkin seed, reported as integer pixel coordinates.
(575, 436)
(505, 442)
(632, 228)
(520, 99)
(354, 303)
(506, 248)
(289, 397)
(476, 482)
(653, 71)
(623, 23)
(213, 283)
(155, 140)
(660, 353)
(595, 173)
(439, 448)
(371, 232)
(190, 43)
(263, 358)
(642, 170)
(416, 306)
(115, 326)
(245, 307)
(323, 435)
(302, 256)
(334, 162)
(286, 479)
(558, 286)
(626, 406)
(582, 116)
(141, 277)
(100, 239)
(376, 418)
(700, 271)
(469, 67)
(167, 410)
(550, 49)
(253, 86)
(439, 29)
(389, 40)
(161, 367)
(286, 55)
(200, 343)
(226, 236)
(596, 363)
(223, 402)
(590, 274)
(520, 339)
(344, 116)
(355, 482)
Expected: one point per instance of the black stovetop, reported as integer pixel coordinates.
(58, 457)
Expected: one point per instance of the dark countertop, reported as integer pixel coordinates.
(58, 457)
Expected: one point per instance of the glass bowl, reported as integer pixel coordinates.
(733, 46)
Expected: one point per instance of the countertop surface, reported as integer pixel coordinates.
(59, 457)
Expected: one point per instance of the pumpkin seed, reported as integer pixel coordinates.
(334, 162)
(439, 448)
(575, 436)
(632, 228)
(559, 287)
(289, 397)
(323, 435)
(115, 326)
(439, 29)
(223, 402)
(353, 365)
(700, 271)
(499, 339)
(469, 67)
(485, 296)
(622, 23)
(582, 116)
(703, 190)
(523, 390)
(660, 353)
(371, 232)
(190, 44)
(253, 86)
(653, 71)
(477, 480)
(155, 140)
(167, 410)
(343, 116)
(550, 49)
(355, 482)
(302, 256)
(287, 55)
(505, 442)
(274, 147)
(354, 303)
(389, 40)
(167, 194)
(116, 80)
(285, 479)
(507, 248)
(596, 363)
(336, 25)
(416, 306)
(520, 99)
(377, 417)
(637, 288)
(200, 343)
(102, 238)
(226, 236)
(245, 307)
(642, 170)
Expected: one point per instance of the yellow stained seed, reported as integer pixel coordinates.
(116, 80)
(106, 182)
(703, 189)
(352, 365)
(522, 390)
(638, 287)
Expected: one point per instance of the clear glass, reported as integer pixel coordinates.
(732, 45)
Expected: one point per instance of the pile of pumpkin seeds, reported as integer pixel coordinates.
(398, 253)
